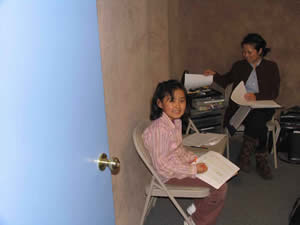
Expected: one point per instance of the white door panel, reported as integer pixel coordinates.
(52, 115)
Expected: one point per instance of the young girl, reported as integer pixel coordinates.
(173, 163)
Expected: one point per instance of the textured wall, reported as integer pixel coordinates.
(177, 44)
(134, 48)
(210, 33)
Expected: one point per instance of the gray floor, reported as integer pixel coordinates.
(250, 200)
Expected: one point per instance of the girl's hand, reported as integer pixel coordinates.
(201, 167)
(194, 160)
(250, 97)
(209, 72)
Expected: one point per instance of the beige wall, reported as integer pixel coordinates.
(177, 46)
(134, 51)
(211, 32)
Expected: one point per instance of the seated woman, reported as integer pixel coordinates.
(262, 80)
(173, 163)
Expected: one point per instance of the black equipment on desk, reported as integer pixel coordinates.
(207, 108)
(289, 139)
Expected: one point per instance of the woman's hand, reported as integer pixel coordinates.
(201, 167)
(209, 72)
(250, 97)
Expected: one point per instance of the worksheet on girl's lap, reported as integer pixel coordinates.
(220, 169)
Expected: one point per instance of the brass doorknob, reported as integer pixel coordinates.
(113, 163)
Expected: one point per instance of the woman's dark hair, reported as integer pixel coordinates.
(163, 89)
(258, 43)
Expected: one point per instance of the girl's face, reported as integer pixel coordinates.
(251, 54)
(173, 108)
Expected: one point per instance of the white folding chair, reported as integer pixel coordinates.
(157, 188)
(273, 128)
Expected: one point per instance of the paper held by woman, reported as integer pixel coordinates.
(193, 81)
(238, 97)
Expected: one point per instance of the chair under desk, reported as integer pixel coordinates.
(219, 147)
(273, 128)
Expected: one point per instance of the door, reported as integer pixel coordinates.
(52, 116)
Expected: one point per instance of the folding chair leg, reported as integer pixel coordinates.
(227, 149)
(179, 208)
(227, 144)
(275, 134)
(190, 126)
(151, 204)
(153, 201)
(147, 205)
(274, 150)
(268, 138)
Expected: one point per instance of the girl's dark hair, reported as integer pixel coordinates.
(163, 89)
(258, 43)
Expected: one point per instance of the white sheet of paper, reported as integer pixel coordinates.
(193, 81)
(220, 169)
(238, 97)
(202, 139)
(239, 116)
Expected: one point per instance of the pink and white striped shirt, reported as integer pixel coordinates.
(163, 139)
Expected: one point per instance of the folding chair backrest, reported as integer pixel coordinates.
(139, 145)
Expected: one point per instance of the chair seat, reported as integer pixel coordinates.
(179, 191)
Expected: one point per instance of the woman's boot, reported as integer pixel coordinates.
(262, 165)
(248, 147)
